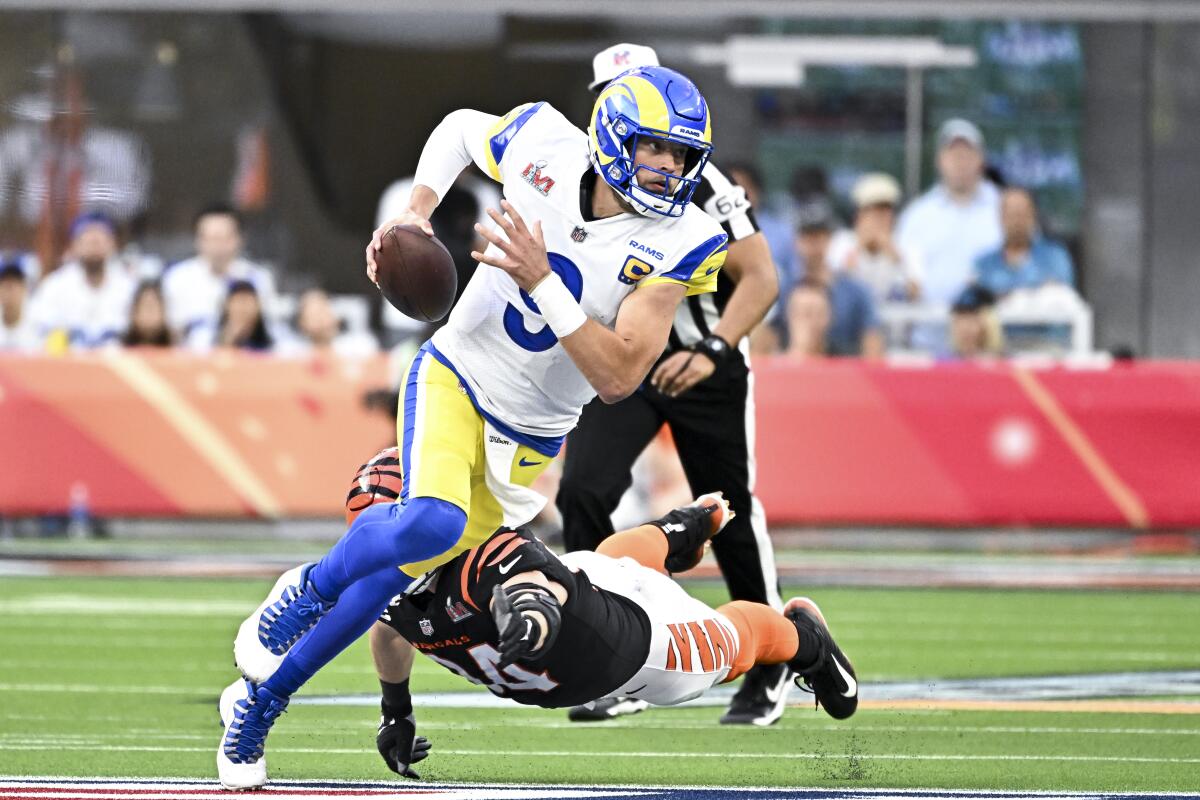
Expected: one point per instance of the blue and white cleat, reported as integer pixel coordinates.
(247, 714)
(291, 609)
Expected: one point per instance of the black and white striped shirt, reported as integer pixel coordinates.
(726, 202)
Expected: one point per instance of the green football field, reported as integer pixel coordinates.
(119, 677)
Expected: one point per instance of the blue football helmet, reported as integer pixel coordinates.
(650, 102)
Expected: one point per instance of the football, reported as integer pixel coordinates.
(416, 273)
(377, 481)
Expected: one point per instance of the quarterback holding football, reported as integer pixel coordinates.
(596, 244)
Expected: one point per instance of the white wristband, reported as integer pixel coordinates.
(559, 308)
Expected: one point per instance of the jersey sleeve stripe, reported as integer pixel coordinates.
(463, 573)
(741, 226)
(690, 263)
(502, 133)
(703, 277)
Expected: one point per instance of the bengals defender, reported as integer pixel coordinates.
(560, 631)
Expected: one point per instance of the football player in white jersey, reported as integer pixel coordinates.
(595, 246)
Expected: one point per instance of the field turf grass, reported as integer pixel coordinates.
(119, 677)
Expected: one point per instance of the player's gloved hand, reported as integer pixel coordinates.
(399, 744)
(688, 530)
(528, 617)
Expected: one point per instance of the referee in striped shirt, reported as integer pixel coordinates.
(703, 389)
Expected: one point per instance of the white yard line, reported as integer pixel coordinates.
(92, 606)
(362, 751)
(641, 725)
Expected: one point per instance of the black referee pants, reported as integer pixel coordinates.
(709, 424)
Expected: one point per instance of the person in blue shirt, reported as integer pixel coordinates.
(833, 300)
(1025, 259)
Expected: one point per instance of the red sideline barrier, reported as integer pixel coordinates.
(166, 434)
(838, 441)
(964, 444)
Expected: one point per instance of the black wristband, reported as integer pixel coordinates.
(397, 698)
(713, 346)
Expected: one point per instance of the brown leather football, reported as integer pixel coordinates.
(416, 273)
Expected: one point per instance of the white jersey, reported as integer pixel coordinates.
(495, 339)
(89, 316)
(194, 293)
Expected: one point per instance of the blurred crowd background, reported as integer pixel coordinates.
(952, 186)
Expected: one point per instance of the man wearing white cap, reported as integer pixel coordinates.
(870, 251)
(702, 387)
(957, 220)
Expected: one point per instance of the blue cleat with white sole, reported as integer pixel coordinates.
(247, 712)
(291, 609)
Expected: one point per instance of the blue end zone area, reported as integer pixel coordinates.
(164, 788)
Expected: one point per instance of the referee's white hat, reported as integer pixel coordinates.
(612, 61)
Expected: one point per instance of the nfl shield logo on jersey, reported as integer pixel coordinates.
(579, 234)
(426, 627)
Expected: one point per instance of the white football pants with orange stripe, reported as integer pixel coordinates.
(692, 646)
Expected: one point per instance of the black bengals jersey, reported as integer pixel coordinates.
(603, 642)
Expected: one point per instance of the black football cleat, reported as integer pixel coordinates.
(830, 676)
(761, 698)
(607, 708)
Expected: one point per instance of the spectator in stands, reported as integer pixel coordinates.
(974, 327)
(809, 316)
(195, 289)
(148, 318)
(870, 251)
(84, 303)
(320, 330)
(17, 333)
(957, 220)
(241, 326)
(1025, 260)
(853, 327)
